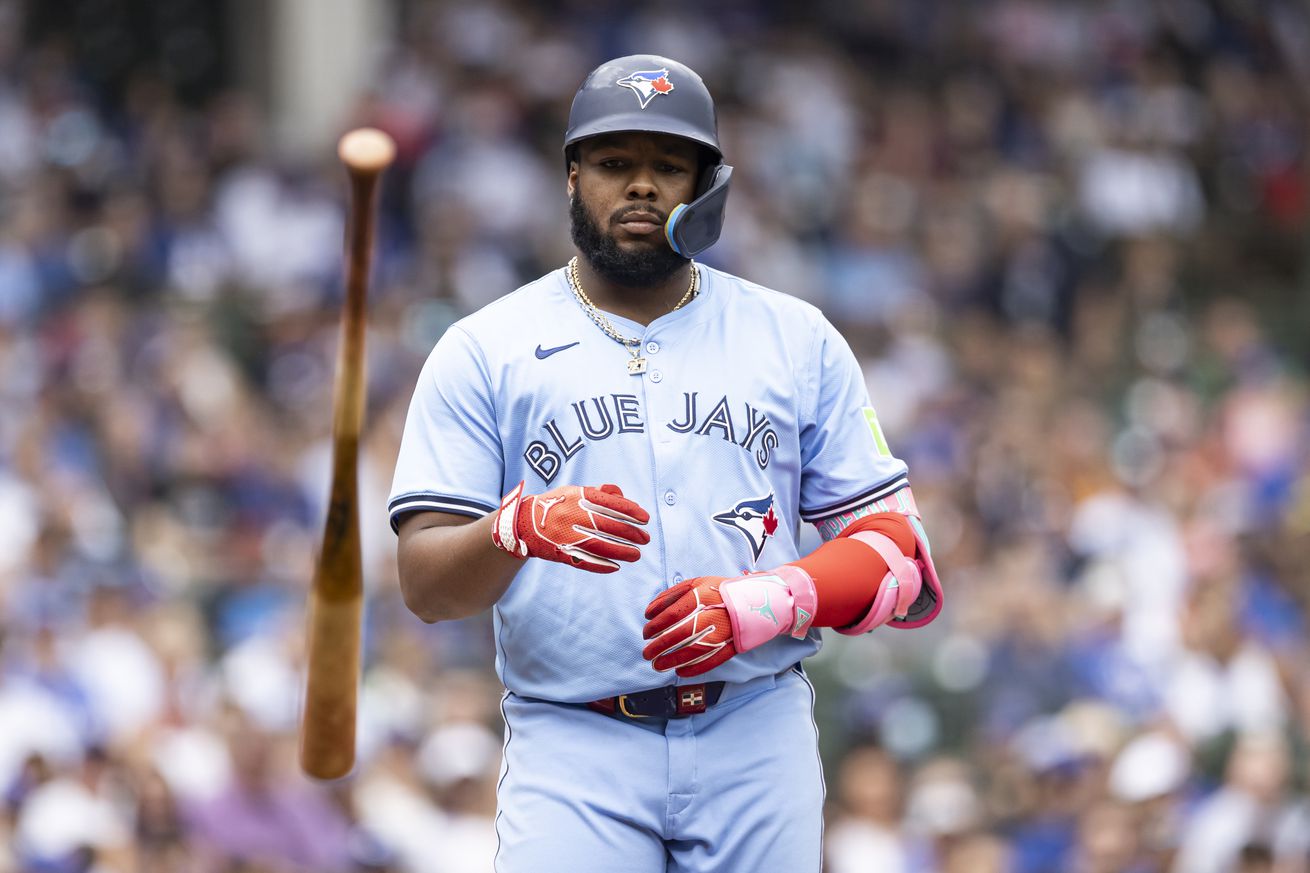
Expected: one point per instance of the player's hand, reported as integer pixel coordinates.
(701, 623)
(590, 528)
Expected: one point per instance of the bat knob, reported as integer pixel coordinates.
(366, 150)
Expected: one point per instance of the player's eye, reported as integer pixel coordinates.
(671, 168)
(612, 163)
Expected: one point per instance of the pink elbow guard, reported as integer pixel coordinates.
(910, 595)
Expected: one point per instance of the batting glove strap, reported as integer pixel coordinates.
(767, 605)
(504, 532)
(805, 599)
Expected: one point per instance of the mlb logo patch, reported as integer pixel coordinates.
(647, 85)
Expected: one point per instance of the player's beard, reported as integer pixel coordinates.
(645, 267)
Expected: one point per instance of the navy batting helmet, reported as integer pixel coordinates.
(659, 95)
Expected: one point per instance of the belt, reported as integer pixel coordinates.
(671, 701)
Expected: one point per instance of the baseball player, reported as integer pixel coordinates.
(616, 460)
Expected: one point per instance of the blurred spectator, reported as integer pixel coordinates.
(1107, 842)
(268, 815)
(1254, 805)
(977, 853)
(63, 818)
(1149, 776)
(1223, 681)
(867, 833)
(1254, 858)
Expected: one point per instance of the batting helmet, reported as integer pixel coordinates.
(659, 95)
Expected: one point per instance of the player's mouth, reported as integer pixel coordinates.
(641, 223)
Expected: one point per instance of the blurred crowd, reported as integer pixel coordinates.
(1068, 241)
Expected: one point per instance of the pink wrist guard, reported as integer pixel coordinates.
(767, 605)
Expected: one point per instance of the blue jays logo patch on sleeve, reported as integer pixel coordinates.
(754, 519)
(647, 85)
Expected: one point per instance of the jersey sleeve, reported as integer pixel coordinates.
(450, 454)
(845, 461)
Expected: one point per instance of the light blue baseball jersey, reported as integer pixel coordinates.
(751, 418)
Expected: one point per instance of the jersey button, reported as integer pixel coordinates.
(652, 347)
(656, 376)
(677, 577)
(670, 498)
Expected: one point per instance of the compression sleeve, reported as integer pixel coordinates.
(847, 572)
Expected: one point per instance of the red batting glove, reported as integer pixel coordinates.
(590, 528)
(688, 628)
(701, 623)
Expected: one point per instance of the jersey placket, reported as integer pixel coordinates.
(653, 390)
(657, 393)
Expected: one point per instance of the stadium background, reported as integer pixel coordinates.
(1068, 241)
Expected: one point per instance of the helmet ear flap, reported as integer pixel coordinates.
(693, 227)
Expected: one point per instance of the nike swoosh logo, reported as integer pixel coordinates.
(543, 354)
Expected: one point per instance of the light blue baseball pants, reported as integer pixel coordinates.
(736, 788)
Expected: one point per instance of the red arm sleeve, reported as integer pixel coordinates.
(847, 572)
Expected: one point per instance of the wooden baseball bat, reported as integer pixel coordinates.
(336, 600)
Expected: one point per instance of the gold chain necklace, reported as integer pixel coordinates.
(637, 365)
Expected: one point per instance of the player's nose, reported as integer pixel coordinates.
(642, 185)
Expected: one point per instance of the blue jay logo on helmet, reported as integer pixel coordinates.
(754, 519)
(647, 84)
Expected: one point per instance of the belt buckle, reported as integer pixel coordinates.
(622, 701)
(692, 698)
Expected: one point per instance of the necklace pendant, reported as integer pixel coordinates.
(636, 366)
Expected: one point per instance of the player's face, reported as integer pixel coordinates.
(622, 188)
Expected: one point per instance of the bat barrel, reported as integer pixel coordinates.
(327, 741)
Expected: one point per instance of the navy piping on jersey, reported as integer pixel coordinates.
(823, 782)
(877, 492)
(504, 763)
(435, 503)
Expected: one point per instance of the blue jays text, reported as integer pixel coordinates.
(599, 418)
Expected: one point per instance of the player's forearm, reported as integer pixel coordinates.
(846, 571)
(877, 570)
(451, 571)
(451, 567)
